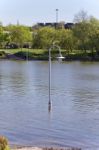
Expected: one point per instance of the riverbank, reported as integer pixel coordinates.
(40, 54)
(40, 148)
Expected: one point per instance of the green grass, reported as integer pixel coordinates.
(13, 51)
(43, 51)
(42, 54)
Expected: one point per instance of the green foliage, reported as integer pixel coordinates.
(94, 34)
(1, 37)
(43, 37)
(86, 33)
(83, 36)
(65, 38)
(4, 143)
(20, 35)
(81, 32)
(2, 54)
(34, 54)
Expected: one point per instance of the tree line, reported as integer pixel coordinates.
(84, 35)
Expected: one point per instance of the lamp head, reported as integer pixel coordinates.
(60, 57)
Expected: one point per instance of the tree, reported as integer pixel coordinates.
(94, 35)
(81, 16)
(65, 38)
(20, 35)
(43, 37)
(1, 36)
(81, 30)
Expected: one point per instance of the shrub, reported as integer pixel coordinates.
(4, 143)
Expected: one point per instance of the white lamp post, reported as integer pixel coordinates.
(27, 56)
(60, 57)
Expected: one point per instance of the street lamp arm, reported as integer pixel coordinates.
(58, 47)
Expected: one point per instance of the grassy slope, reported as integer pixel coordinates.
(41, 54)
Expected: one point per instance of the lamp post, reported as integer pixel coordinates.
(27, 55)
(60, 57)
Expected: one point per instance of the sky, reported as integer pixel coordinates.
(29, 12)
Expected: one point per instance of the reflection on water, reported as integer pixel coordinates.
(74, 117)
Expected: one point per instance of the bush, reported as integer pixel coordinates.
(11, 46)
(4, 143)
(2, 54)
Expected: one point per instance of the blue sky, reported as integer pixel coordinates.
(29, 12)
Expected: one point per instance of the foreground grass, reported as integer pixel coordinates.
(4, 143)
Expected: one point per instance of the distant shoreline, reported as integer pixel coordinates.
(13, 57)
(42, 55)
(43, 148)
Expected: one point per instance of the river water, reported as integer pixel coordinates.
(74, 117)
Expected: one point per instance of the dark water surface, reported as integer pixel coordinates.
(74, 118)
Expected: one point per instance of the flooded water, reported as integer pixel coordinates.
(24, 115)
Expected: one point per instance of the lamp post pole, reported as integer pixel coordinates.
(49, 103)
(27, 55)
(59, 57)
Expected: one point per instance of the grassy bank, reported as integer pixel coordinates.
(31, 54)
(42, 54)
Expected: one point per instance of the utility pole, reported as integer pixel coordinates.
(56, 18)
